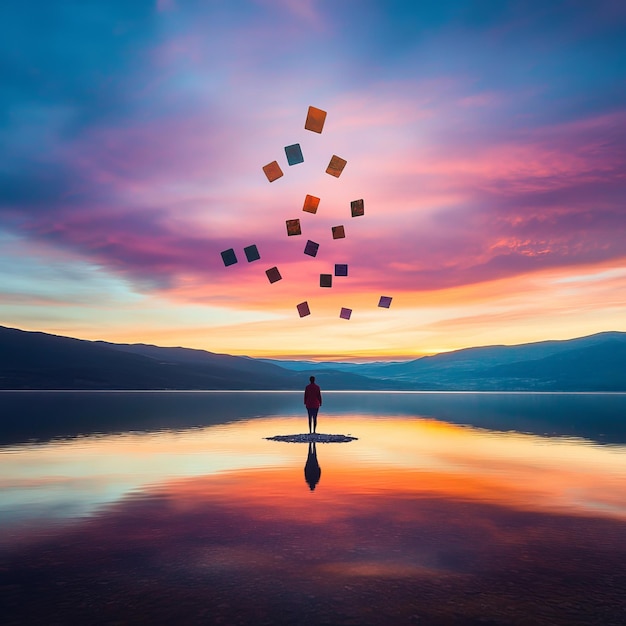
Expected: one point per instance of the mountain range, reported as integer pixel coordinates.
(35, 360)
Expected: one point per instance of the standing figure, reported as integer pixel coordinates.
(312, 402)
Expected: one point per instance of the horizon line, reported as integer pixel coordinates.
(338, 358)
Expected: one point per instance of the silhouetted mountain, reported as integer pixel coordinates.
(600, 367)
(30, 360)
(593, 363)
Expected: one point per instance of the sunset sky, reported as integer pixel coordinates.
(486, 138)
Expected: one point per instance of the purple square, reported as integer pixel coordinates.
(341, 269)
(345, 313)
(303, 309)
(385, 302)
(311, 248)
(273, 275)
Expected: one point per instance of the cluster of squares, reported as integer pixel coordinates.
(230, 258)
(294, 156)
(345, 314)
(311, 203)
(314, 122)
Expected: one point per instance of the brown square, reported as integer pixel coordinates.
(303, 309)
(310, 204)
(293, 227)
(357, 207)
(273, 275)
(336, 165)
(338, 232)
(326, 280)
(315, 119)
(272, 171)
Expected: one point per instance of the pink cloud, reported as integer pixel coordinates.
(157, 200)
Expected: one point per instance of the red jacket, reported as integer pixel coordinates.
(312, 396)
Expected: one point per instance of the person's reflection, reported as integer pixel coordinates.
(312, 470)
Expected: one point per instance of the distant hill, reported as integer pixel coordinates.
(32, 360)
(600, 367)
(593, 363)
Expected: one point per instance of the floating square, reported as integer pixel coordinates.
(252, 253)
(303, 309)
(357, 207)
(311, 248)
(326, 280)
(273, 275)
(229, 257)
(294, 154)
(339, 232)
(293, 227)
(335, 167)
(315, 119)
(345, 313)
(341, 269)
(272, 171)
(310, 204)
(385, 302)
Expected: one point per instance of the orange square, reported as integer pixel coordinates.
(310, 204)
(315, 119)
(272, 171)
(336, 165)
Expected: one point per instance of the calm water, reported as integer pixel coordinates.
(159, 508)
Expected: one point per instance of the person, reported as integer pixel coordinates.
(312, 402)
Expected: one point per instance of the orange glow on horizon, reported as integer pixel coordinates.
(417, 324)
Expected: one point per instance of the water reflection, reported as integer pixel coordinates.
(312, 470)
(47, 415)
(72, 477)
(418, 517)
(434, 536)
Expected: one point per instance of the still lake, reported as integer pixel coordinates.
(448, 508)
